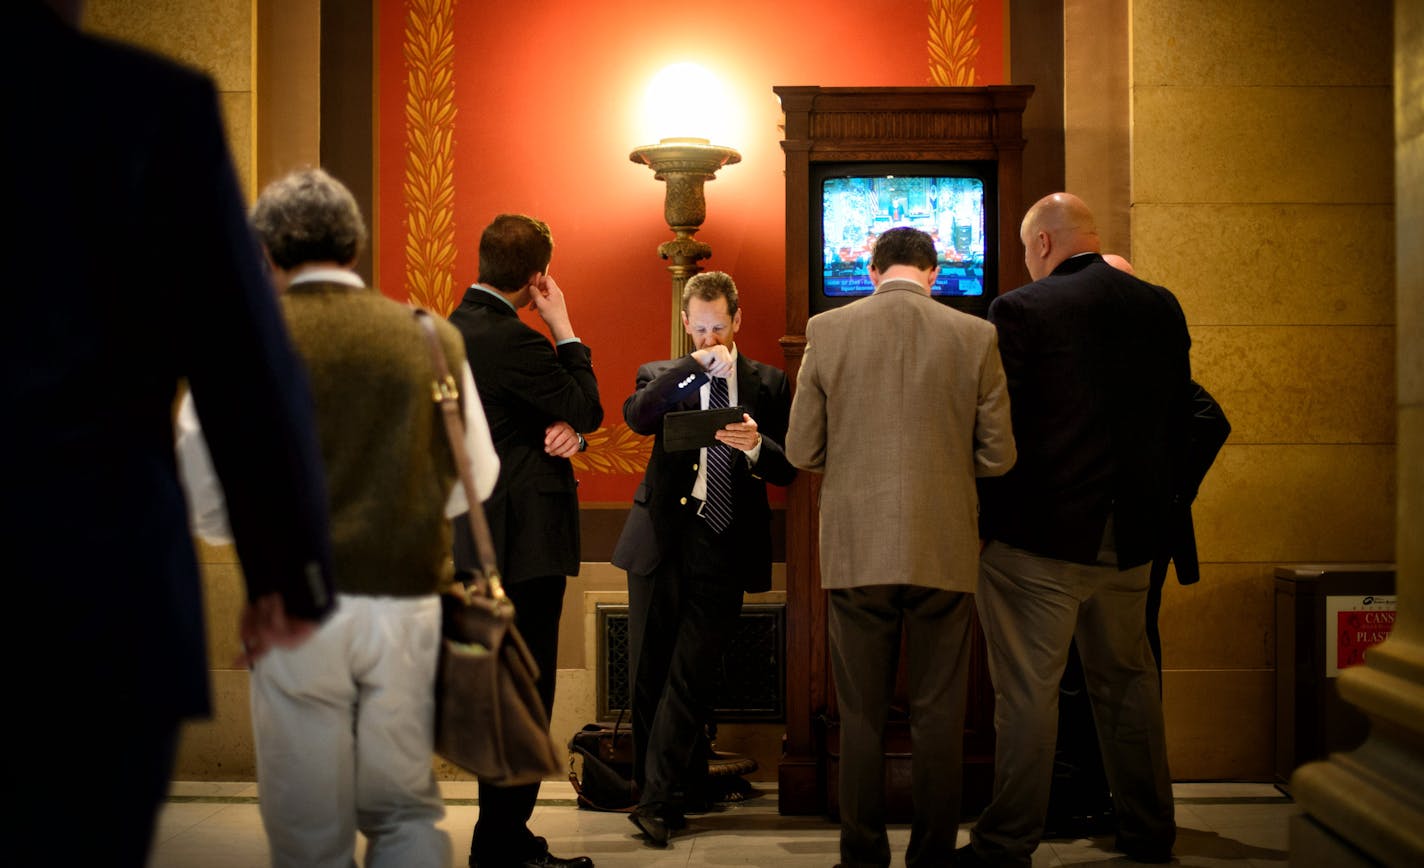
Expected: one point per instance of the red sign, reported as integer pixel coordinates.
(1356, 624)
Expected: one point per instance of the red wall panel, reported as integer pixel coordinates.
(534, 107)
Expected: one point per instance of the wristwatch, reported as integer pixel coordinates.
(583, 444)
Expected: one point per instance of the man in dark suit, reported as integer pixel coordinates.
(1079, 802)
(697, 536)
(1097, 363)
(133, 268)
(539, 400)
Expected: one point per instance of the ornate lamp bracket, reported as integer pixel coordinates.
(684, 165)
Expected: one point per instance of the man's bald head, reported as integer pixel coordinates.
(1056, 227)
(1118, 262)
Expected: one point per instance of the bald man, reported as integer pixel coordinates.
(1079, 802)
(1096, 362)
(1119, 263)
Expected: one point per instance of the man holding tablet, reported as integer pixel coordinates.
(698, 535)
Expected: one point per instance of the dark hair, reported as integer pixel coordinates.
(710, 286)
(308, 216)
(904, 245)
(512, 248)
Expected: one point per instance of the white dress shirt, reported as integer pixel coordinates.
(699, 488)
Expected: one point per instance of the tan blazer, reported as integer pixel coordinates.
(900, 403)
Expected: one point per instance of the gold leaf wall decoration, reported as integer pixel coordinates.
(613, 451)
(429, 187)
(953, 43)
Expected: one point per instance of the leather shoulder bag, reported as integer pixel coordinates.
(489, 719)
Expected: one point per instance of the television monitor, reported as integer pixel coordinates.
(955, 202)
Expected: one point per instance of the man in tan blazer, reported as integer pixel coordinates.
(900, 403)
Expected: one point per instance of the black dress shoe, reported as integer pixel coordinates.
(1138, 850)
(1089, 824)
(1148, 853)
(549, 860)
(966, 857)
(650, 824)
(543, 859)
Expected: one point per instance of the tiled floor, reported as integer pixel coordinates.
(216, 825)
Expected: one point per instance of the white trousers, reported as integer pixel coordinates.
(344, 728)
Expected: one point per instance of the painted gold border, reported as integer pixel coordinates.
(953, 42)
(429, 186)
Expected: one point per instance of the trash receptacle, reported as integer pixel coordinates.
(1327, 617)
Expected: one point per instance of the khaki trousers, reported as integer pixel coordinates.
(1031, 608)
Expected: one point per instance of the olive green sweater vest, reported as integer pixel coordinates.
(388, 464)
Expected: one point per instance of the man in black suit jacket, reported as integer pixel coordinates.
(1097, 363)
(1079, 802)
(688, 560)
(539, 400)
(133, 268)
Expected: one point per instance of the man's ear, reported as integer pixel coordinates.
(277, 275)
(874, 276)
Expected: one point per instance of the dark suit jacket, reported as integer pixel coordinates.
(133, 267)
(1207, 430)
(653, 531)
(1097, 362)
(525, 384)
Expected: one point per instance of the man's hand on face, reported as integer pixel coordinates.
(716, 360)
(546, 298)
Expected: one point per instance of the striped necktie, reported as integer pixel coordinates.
(718, 507)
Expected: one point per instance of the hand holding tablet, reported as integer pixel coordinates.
(694, 429)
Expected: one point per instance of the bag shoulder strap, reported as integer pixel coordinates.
(446, 392)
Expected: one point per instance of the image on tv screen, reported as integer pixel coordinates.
(855, 210)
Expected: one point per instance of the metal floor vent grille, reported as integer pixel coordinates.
(752, 686)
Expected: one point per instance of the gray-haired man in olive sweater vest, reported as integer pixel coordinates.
(344, 724)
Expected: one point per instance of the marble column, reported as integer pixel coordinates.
(1366, 806)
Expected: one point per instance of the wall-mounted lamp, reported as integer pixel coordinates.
(681, 94)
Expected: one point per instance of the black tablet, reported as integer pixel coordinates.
(693, 429)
